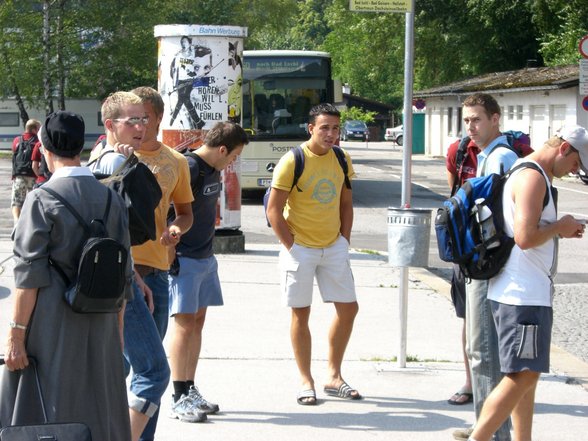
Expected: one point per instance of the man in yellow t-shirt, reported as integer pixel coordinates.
(151, 258)
(313, 223)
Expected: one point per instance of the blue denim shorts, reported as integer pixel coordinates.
(196, 286)
(524, 336)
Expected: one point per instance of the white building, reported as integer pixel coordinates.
(11, 125)
(537, 101)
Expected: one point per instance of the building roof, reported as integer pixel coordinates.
(528, 79)
(383, 110)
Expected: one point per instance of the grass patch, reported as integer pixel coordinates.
(374, 252)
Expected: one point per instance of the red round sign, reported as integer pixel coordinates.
(583, 46)
(585, 103)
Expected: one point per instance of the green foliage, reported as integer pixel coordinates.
(99, 46)
(367, 51)
(562, 23)
(356, 113)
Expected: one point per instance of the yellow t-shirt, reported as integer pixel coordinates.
(173, 175)
(313, 214)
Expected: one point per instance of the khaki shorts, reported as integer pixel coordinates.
(331, 266)
(21, 185)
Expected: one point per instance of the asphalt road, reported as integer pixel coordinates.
(378, 185)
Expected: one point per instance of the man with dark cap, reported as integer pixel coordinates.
(79, 356)
(521, 295)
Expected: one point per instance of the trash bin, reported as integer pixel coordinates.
(409, 233)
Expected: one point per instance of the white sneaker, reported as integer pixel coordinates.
(201, 404)
(185, 410)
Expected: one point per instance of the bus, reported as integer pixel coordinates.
(279, 89)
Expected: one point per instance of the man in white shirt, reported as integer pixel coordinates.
(521, 301)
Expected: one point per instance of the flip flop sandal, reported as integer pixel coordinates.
(455, 399)
(307, 397)
(344, 391)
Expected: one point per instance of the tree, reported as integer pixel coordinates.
(456, 39)
(561, 24)
(367, 51)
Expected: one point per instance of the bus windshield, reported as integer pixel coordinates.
(278, 92)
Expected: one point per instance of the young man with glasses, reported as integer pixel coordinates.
(125, 120)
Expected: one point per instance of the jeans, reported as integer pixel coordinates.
(482, 349)
(144, 352)
(157, 281)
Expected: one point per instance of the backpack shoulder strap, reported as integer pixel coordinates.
(343, 163)
(100, 156)
(75, 213)
(529, 164)
(200, 178)
(460, 155)
(298, 166)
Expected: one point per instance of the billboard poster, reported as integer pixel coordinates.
(200, 77)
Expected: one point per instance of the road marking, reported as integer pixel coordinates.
(570, 189)
(572, 213)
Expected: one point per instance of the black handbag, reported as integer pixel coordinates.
(47, 431)
(139, 188)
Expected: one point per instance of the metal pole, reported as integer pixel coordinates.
(407, 123)
(406, 169)
(402, 316)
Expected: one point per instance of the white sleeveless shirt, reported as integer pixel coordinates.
(527, 277)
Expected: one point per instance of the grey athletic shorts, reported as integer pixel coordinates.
(524, 336)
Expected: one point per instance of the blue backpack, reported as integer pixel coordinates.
(470, 225)
(299, 168)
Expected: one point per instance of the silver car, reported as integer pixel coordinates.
(394, 134)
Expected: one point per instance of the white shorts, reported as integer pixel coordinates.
(299, 265)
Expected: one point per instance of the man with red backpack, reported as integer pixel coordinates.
(461, 165)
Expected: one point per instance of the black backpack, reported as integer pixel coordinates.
(22, 162)
(299, 168)
(100, 280)
(139, 188)
(196, 186)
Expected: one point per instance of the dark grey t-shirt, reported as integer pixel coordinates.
(197, 241)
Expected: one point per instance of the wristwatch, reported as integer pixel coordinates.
(15, 325)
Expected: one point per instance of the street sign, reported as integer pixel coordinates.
(585, 103)
(584, 70)
(583, 46)
(380, 5)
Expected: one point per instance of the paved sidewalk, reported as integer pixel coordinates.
(248, 368)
